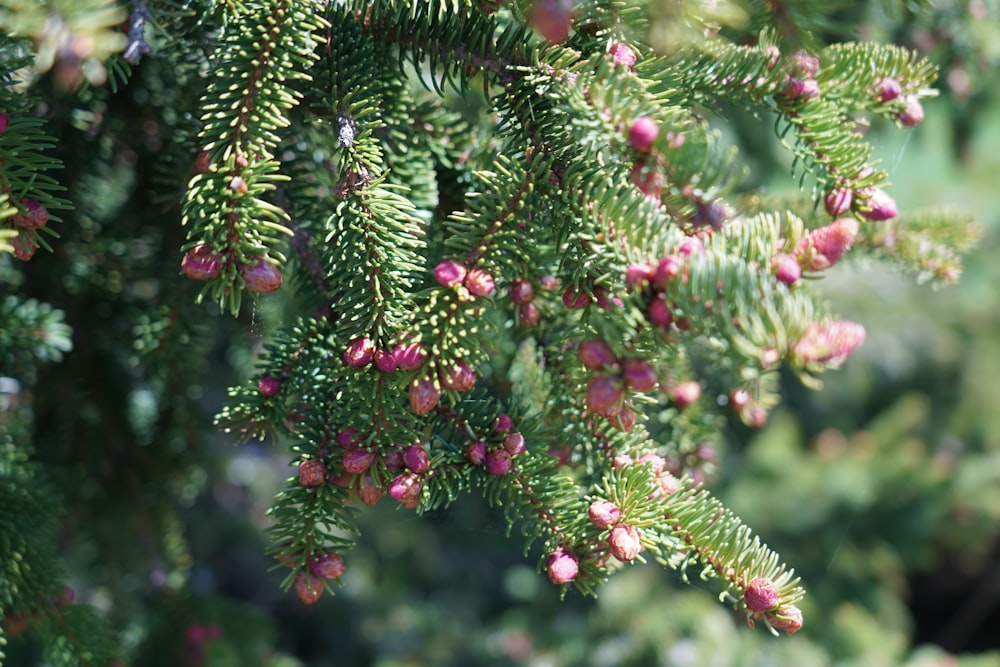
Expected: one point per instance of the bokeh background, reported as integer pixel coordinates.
(882, 490)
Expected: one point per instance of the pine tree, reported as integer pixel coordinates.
(514, 253)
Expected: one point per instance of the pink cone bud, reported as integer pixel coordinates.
(596, 354)
(805, 64)
(348, 437)
(562, 567)
(838, 202)
(666, 270)
(385, 361)
(360, 352)
(312, 473)
(639, 275)
(369, 490)
(657, 462)
(787, 618)
(605, 395)
(605, 300)
(828, 244)
(269, 386)
(327, 566)
(761, 594)
(410, 356)
(648, 179)
(521, 291)
(35, 215)
(800, 89)
(393, 459)
(881, 206)
(479, 282)
(658, 313)
(623, 421)
(527, 315)
(308, 588)
(622, 55)
(639, 375)
(449, 273)
(642, 133)
(406, 489)
(551, 19)
(773, 54)
(417, 459)
(514, 444)
(357, 460)
(261, 277)
(685, 394)
(621, 460)
(476, 452)
(424, 395)
(25, 245)
(498, 462)
(786, 269)
(504, 424)
(575, 300)
(625, 542)
(201, 263)
(460, 377)
(888, 89)
(912, 114)
(829, 343)
(604, 513)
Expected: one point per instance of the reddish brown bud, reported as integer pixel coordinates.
(838, 202)
(521, 291)
(424, 395)
(34, 216)
(476, 452)
(639, 375)
(360, 352)
(357, 460)
(575, 300)
(912, 113)
(514, 444)
(787, 618)
(825, 246)
(498, 462)
(659, 313)
(648, 179)
(385, 361)
(527, 315)
(406, 489)
(668, 268)
(327, 566)
(479, 282)
(4, 122)
(201, 263)
(551, 19)
(410, 356)
(369, 490)
(25, 245)
(685, 394)
(460, 377)
(639, 275)
(417, 459)
(562, 567)
(604, 513)
(761, 594)
(625, 542)
(504, 424)
(312, 473)
(307, 587)
(203, 163)
(624, 420)
(888, 89)
(596, 354)
(605, 395)
(805, 64)
(348, 437)
(261, 277)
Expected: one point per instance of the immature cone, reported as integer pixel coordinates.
(4, 122)
(261, 277)
(604, 513)
(369, 490)
(622, 55)
(667, 269)
(829, 343)
(575, 300)
(417, 459)
(800, 89)
(639, 275)
(643, 133)
(625, 542)
(312, 473)
(624, 420)
(639, 375)
(912, 113)
(787, 618)
(685, 394)
(25, 245)
(406, 489)
(498, 462)
(888, 89)
(551, 19)
(201, 263)
(476, 452)
(357, 460)
(449, 273)
(327, 566)
(786, 269)
(409, 356)
(805, 64)
(596, 354)
(527, 315)
(385, 361)
(269, 386)
(360, 352)
(828, 244)
(479, 282)
(659, 313)
(605, 395)
(760, 595)
(203, 163)
(562, 567)
(881, 206)
(648, 179)
(838, 202)
(308, 588)
(424, 395)
(514, 444)
(34, 216)
(521, 291)
(504, 424)
(460, 377)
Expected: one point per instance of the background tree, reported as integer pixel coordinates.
(543, 277)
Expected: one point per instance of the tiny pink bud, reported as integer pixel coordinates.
(625, 542)
(327, 566)
(657, 462)
(417, 459)
(642, 133)
(773, 54)
(385, 361)
(308, 588)
(406, 488)
(659, 313)
(527, 315)
(596, 354)
(551, 19)
(881, 206)
(450, 273)
(604, 513)
(312, 473)
(424, 395)
(605, 300)
(369, 490)
(622, 55)
(621, 460)
(786, 269)
(562, 567)
(829, 343)
(357, 460)
(201, 263)
(550, 283)
(360, 352)
(475, 452)
(34, 216)
(575, 300)
(825, 246)
(761, 594)
(805, 64)
(685, 394)
(648, 179)
(800, 89)
(460, 377)
(269, 386)
(668, 268)
(393, 459)
(348, 437)
(912, 113)
(479, 282)
(639, 275)
(504, 424)
(25, 245)
(498, 462)
(787, 618)
(410, 356)
(605, 395)
(639, 375)
(514, 444)
(691, 246)
(261, 277)
(521, 291)
(838, 202)
(888, 89)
